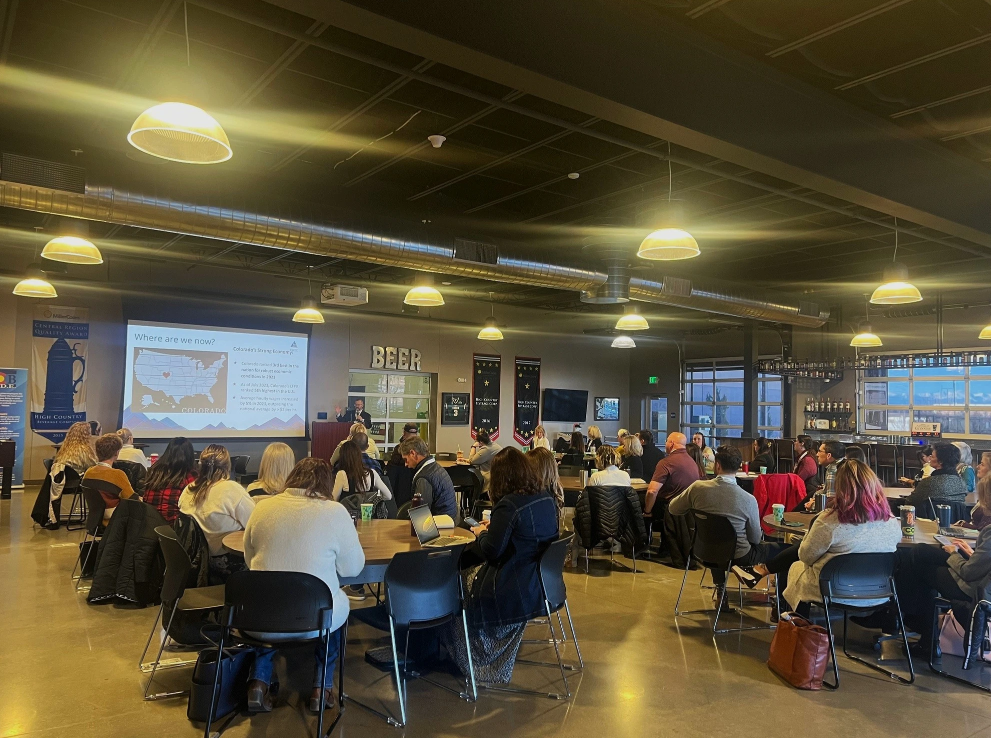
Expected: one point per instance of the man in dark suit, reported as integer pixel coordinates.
(354, 414)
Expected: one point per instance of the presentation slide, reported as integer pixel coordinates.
(201, 382)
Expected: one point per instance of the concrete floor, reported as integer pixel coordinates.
(70, 669)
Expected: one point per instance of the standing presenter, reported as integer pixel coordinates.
(354, 414)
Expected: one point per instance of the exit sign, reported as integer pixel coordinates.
(652, 380)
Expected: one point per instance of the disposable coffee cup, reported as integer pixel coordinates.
(779, 512)
(366, 511)
(153, 458)
(486, 515)
(763, 470)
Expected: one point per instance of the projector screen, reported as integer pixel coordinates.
(201, 382)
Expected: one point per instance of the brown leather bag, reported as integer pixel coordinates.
(799, 652)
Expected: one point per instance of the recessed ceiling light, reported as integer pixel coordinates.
(446, 284)
(436, 140)
(573, 175)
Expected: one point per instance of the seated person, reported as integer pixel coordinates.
(651, 453)
(829, 456)
(171, 474)
(944, 484)
(431, 482)
(957, 572)
(721, 495)
(925, 456)
(631, 456)
(708, 455)
(575, 455)
(482, 451)
(858, 520)
(303, 529)
(763, 456)
(503, 569)
(966, 466)
(220, 506)
(806, 466)
(608, 474)
(354, 477)
(356, 429)
(539, 439)
(128, 452)
(400, 476)
(594, 439)
(107, 448)
(277, 461)
(980, 515)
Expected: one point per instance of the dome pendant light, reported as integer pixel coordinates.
(865, 337)
(668, 242)
(72, 250)
(491, 330)
(986, 332)
(309, 311)
(632, 320)
(34, 284)
(624, 342)
(423, 293)
(895, 288)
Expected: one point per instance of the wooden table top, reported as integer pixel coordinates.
(574, 484)
(924, 529)
(448, 463)
(380, 539)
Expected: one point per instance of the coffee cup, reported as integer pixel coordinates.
(366, 511)
(486, 516)
(779, 512)
(763, 470)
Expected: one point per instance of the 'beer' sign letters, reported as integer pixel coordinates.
(390, 357)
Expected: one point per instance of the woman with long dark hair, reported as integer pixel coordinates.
(220, 506)
(503, 577)
(575, 455)
(354, 477)
(698, 456)
(806, 466)
(763, 456)
(169, 476)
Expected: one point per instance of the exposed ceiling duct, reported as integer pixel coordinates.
(123, 208)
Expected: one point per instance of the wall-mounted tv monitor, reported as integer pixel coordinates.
(606, 408)
(564, 406)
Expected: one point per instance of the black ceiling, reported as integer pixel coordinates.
(333, 130)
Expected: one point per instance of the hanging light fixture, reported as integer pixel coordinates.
(34, 284)
(309, 311)
(423, 293)
(895, 288)
(632, 320)
(491, 330)
(72, 250)
(865, 337)
(986, 332)
(668, 241)
(624, 342)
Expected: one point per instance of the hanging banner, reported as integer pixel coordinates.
(526, 411)
(58, 369)
(13, 415)
(485, 395)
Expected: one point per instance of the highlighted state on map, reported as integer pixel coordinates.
(179, 380)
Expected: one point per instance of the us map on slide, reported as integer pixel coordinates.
(170, 380)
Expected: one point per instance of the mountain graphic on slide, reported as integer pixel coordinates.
(218, 426)
(276, 424)
(140, 421)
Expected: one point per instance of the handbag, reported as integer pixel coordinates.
(354, 501)
(799, 652)
(952, 636)
(232, 691)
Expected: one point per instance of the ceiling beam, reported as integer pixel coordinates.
(942, 101)
(280, 65)
(700, 10)
(8, 13)
(836, 27)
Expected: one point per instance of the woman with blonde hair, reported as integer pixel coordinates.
(77, 453)
(545, 466)
(277, 461)
(77, 449)
(631, 453)
(594, 439)
(220, 506)
(539, 439)
(966, 466)
(608, 474)
(980, 515)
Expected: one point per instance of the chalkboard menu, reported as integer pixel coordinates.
(454, 408)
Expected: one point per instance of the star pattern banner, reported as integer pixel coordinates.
(526, 410)
(485, 395)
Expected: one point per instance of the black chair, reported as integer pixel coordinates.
(239, 466)
(183, 599)
(468, 482)
(860, 576)
(973, 648)
(714, 547)
(614, 517)
(73, 488)
(282, 602)
(887, 462)
(423, 590)
(95, 507)
(555, 599)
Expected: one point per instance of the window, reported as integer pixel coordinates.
(392, 400)
(958, 397)
(713, 400)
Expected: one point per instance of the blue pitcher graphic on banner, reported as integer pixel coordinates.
(58, 381)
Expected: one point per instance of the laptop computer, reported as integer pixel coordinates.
(426, 529)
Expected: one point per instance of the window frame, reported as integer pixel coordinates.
(691, 368)
(388, 421)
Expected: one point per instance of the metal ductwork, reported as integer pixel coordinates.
(124, 208)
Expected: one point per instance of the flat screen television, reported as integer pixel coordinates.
(564, 406)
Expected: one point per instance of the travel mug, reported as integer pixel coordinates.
(944, 514)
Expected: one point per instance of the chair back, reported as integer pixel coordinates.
(177, 564)
(714, 542)
(609, 511)
(858, 576)
(48, 464)
(468, 480)
(95, 506)
(959, 510)
(277, 602)
(70, 480)
(552, 572)
(424, 585)
(239, 464)
(569, 471)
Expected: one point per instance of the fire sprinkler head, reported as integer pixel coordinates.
(436, 140)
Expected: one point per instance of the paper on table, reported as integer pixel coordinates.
(444, 521)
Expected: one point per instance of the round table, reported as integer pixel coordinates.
(924, 529)
(380, 540)
(746, 480)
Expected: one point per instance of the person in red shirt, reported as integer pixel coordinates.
(673, 474)
(174, 470)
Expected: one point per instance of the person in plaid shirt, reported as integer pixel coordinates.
(830, 454)
(169, 476)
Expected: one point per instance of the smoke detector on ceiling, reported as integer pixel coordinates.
(573, 175)
(343, 294)
(436, 140)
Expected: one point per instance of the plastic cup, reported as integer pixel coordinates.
(486, 515)
(366, 511)
(763, 470)
(779, 512)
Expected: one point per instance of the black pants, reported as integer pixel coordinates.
(780, 564)
(762, 553)
(922, 575)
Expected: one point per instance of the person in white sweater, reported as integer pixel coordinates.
(539, 439)
(303, 529)
(220, 506)
(128, 452)
(354, 477)
(608, 474)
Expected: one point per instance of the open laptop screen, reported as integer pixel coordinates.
(423, 524)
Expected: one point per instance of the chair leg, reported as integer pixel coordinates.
(400, 681)
(684, 579)
(719, 605)
(471, 663)
(89, 552)
(158, 660)
(832, 650)
(574, 636)
(158, 616)
(323, 683)
(872, 665)
(557, 652)
(560, 622)
(79, 559)
(216, 684)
